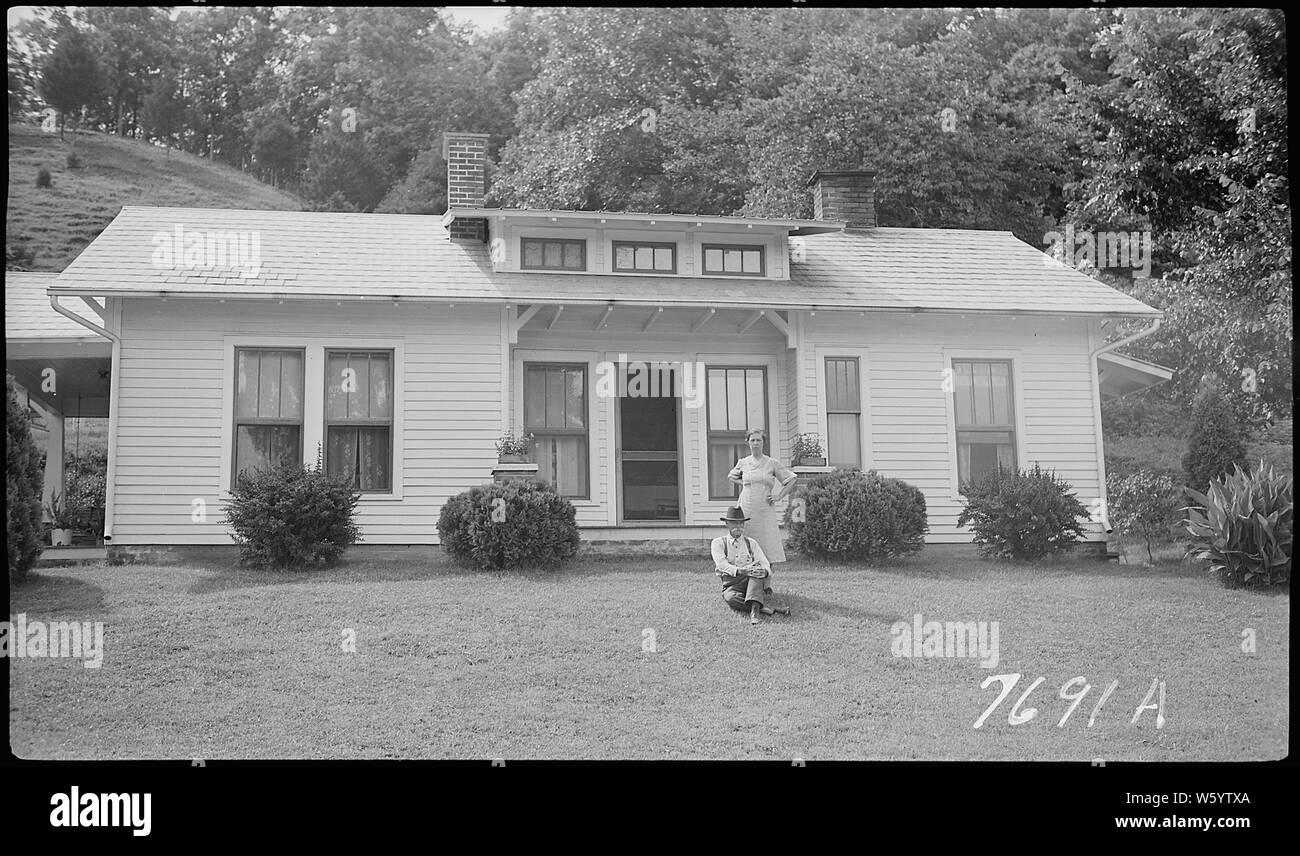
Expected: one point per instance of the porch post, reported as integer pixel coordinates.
(53, 458)
(803, 355)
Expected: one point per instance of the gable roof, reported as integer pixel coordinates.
(390, 256)
(29, 316)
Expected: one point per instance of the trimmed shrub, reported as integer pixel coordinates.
(1025, 514)
(1217, 441)
(849, 514)
(1145, 504)
(1243, 527)
(73, 160)
(43, 178)
(24, 479)
(519, 524)
(292, 516)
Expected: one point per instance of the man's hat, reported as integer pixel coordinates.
(734, 515)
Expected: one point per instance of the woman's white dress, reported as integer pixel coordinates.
(761, 479)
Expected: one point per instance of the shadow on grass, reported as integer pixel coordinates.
(226, 575)
(56, 596)
(810, 609)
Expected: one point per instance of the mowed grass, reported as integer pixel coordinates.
(57, 223)
(640, 658)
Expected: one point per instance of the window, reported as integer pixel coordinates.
(645, 256)
(268, 408)
(552, 254)
(555, 413)
(734, 260)
(359, 418)
(737, 405)
(984, 415)
(843, 413)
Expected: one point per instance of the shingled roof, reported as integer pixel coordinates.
(306, 255)
(29, 316)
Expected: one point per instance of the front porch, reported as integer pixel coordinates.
(62, 370)
(638, 413)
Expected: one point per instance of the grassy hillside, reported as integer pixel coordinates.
(48, 228)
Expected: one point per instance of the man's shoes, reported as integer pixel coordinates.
(783, 610)
(753, 618)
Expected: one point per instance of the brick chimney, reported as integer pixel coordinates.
(466, 156)
(848, 195)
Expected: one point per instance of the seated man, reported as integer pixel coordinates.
(744, 570)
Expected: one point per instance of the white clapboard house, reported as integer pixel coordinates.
(404, 346)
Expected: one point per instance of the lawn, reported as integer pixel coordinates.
(640, 658)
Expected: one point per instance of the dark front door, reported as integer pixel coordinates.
(649, 460)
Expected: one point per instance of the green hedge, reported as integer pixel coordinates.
(292, 516)
(1025, 514)
(849, 514)
(513, 525)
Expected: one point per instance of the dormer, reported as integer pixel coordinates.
(640, 244)
(605, 242)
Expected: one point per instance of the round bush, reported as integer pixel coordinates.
(1025, 514)
(849, 514)
(24, 477)
(292, 517)
(518, 524)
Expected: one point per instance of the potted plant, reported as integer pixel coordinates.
(807, 451)
(62, 519)
(512, 449)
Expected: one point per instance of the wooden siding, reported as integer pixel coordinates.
(169, 426)
(456, 396)
(908, 419)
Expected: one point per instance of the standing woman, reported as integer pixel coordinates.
(763, 483)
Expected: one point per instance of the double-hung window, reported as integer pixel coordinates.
(983, 406)
(843, 413)
(359, 418)
(555, 413)
(737, 403)
(268, 408)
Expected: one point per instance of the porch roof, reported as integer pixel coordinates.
(313, 255)
(29, 316)
(39, 341)
(1121, 375)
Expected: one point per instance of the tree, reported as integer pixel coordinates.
(1191, 142)
(342, 174)
(71, 77)
(275, 151)
(616, 116)
(164, 110)
(132, 41)
(23, 485)
(1217, 442)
